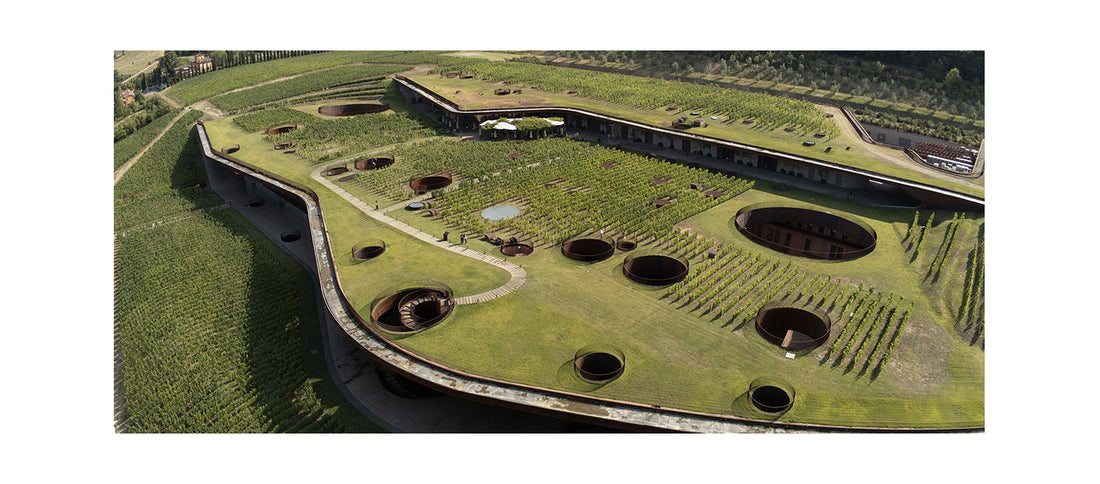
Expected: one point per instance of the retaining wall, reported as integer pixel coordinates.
(538, 400)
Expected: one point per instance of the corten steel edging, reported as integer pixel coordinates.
(849, 254)
(509, 394)
(454, 109)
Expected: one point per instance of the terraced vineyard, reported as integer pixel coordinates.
(588, 189)
(304, 84)
(209, 326)
(267, 118)
(648, 93)
(330, 139)
(129, 146)
(166, 180)
(890, 358)
(208, 314)
(213, 83)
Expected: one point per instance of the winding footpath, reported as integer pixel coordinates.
(518, 274)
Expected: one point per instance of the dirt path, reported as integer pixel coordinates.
(122, 169)
(210, 109)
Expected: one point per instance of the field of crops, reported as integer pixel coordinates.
(952, 272)
(260, 120)
(213, 83)
(163, 181)
(734, 284)
(129, 146)
(584, 190)
(648, 93)
(570, 188)
(304, 84)
(208, 328)
(331, 139)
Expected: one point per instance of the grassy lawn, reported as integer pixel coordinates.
(477, 94)
(405, 259)
(675, 357)
(133, 61)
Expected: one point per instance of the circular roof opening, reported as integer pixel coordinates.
(792, 328)
(771, 395)
(282, 128)
(373, 163)
(352, 109)
(429, 183)
(770, 399)
(412, 310)
(517, 250)
(587, 250)
(599, 365)
(368, 250)
(339, 170)
(499, 212)
(655, 270)
(806, 233)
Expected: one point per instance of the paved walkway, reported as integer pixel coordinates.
(518, 274)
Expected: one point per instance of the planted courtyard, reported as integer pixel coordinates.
(691, 337)
(642, 286)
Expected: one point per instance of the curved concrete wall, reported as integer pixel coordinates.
(538, 400)
(454, 117)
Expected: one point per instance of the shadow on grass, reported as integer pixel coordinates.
(567, 377)
(742, 405)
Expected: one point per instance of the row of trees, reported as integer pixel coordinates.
(948, 78)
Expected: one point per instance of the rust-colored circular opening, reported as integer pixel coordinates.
(352, 109)
(770, 399)
(599, 366)
(369, 252)
(413, 309)
(429, 183)
(373, 163)
(806, 233)
(282, 128)
(655, 270)
(517, 250)
(290, 236)
(626, 245)
(793, 328)
(587, 250)
(340, 170)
